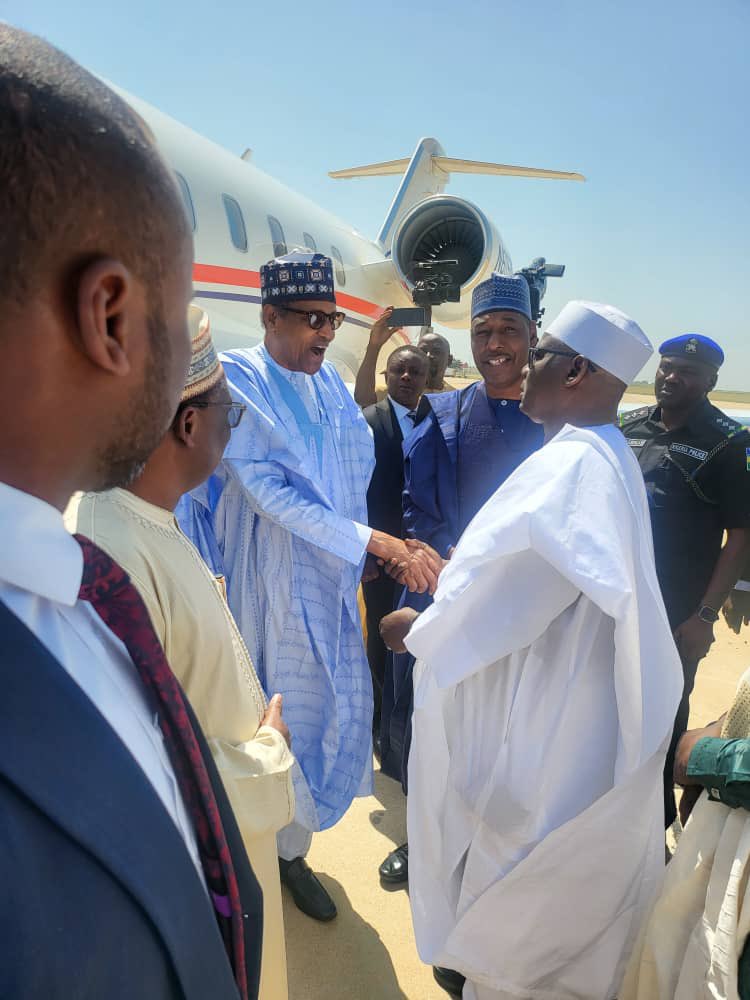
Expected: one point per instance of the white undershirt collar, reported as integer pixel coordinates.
(37, 553)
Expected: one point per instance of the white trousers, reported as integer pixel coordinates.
(293, 841)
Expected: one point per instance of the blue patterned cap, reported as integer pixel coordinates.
(296, 276)
(502, 291)
(695, 347)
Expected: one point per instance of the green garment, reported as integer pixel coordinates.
(723, 767)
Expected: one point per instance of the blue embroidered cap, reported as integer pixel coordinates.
(695, 347)
(297, 275)
(502, 291)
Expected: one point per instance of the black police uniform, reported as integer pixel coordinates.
(698, 485)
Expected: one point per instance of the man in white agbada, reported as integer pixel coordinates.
(545, 695)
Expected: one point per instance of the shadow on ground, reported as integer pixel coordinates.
(390, 821)
(345, 958)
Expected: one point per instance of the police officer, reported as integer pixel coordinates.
(696, 464)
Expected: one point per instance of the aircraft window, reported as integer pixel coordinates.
(310, 242)
(236, 223)
(277, 237)
(187, 199)
(338, 263)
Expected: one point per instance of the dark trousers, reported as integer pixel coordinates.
(398, 702)
(379, 596)
(689, 670)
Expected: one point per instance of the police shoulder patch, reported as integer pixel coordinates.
(725, 424)
(632, 416)
(732, 427)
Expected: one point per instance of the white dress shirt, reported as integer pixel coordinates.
(41, 566)
(402, 412)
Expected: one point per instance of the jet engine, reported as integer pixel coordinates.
(444, 246)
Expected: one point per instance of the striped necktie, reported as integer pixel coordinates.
(119, 605)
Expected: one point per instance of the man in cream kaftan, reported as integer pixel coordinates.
(189, 612)
(544, 700)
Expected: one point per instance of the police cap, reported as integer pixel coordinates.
(695, 347)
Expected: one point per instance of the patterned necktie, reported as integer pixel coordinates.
(119, 605)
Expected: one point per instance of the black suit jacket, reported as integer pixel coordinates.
(387, 483)
(98, 894)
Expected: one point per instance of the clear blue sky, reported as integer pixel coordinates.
(648, 100)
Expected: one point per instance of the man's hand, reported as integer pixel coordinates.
(395, 627)
(422, 554)
(685, 748)
(694, 638)
(691, 790)
(371, 570)
(380, 332)
(364, 384)
(736, 610)
(417, 566)
(273, 719)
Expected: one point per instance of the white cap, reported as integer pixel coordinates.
(604, 335)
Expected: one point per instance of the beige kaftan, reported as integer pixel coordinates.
(208, 655)
(690, 945)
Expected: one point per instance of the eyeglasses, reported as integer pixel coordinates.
(235, 411)
(539, 353)
(316, 318)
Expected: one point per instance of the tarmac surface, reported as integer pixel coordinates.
(368, 952)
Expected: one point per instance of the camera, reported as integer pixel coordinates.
(434, 283)
(536, 275)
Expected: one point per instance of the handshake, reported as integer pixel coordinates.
(412, 563)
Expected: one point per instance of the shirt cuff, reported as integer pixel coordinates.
(364, 534)
(742, 585)
(703, 763)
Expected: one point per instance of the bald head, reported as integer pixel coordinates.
(438, 351)
(96, 263)
(69, 150)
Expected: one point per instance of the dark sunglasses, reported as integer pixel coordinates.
(316, 318)
(539, 354)
(235, 411)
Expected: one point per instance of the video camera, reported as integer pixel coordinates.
(536, 275)
(434, 283)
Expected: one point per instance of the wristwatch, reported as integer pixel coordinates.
(708, 615)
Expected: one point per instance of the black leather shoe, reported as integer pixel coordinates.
(306, 890)
(452, 982)
(395, 868)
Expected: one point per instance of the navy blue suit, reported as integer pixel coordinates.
(99, 897)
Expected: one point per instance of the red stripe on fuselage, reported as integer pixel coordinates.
(217, 275)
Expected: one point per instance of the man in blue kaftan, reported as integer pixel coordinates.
(468, 443)
(284, 520)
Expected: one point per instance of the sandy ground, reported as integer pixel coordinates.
(641, 399)
(368, 952)
(723, 404)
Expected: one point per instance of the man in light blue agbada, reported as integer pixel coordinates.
(284, 519)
